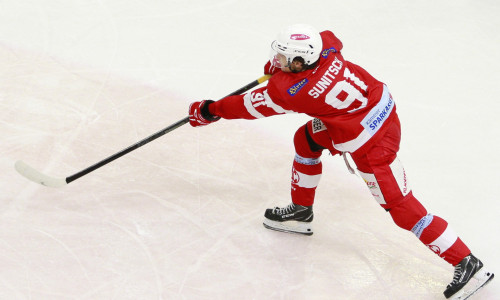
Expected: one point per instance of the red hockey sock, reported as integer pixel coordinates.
(432, 230)
(305, 179)
(442, 240)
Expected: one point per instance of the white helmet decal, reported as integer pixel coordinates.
(299, 37)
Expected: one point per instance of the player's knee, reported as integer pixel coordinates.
(408, 213)
(304, 143)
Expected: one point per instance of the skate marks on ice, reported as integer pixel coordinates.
(157, 223)
(166, 220)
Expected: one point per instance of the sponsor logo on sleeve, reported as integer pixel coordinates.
(294, 89)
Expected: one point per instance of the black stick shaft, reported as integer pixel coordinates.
(155, 135)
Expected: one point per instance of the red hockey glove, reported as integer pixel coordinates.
(199, 114)
(270, 69)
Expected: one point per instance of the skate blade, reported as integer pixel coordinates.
(480, 279)
(289, 226)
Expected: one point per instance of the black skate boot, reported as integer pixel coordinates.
(293, 218)
(469, 277)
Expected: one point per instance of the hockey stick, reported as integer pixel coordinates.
(43, 179)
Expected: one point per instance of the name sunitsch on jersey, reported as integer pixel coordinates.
(326, 79)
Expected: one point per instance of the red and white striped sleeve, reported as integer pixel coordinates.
(253, 105)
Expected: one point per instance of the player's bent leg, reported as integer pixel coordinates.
(310, 140)
(389, 186)
(433, 231)
(306, 173)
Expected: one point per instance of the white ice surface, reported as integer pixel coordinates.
(181, 218)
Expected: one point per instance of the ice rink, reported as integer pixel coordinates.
(181, 217)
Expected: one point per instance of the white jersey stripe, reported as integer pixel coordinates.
(253, 101)
(247, 101)
(355, 144)
(270, 103)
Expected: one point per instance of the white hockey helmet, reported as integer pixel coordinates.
(299, 40)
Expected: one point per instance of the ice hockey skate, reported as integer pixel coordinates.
(292, 218)
(468, 278)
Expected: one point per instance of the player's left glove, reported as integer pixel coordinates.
(199, 114)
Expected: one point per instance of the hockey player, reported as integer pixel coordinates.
(353, 113)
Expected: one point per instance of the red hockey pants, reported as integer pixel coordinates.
(385, 177)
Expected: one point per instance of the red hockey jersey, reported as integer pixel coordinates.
(354, 107)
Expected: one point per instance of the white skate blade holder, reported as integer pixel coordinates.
(480, 279)
(289, 226)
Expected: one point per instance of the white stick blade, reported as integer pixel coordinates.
(38, 177)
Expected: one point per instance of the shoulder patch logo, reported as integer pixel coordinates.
(294, 89)
(327, 52)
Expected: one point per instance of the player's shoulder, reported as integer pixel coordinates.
(330, 41)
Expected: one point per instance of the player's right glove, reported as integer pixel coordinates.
(199, 114)
(270, 69)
